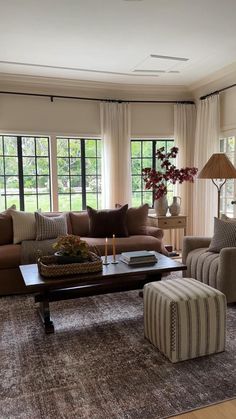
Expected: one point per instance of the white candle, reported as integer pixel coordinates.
(114, 247)
(106, 250)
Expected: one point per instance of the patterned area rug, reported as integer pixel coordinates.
(98, 364)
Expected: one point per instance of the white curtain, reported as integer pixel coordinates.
(116, 154)
(184, 135)
(206, 143)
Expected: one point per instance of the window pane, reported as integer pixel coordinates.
(76, 184)
(91, 166)
(10, 146)
(147, 148)
(29, 166)
(75, 166)
(62, 166)
(43, 184)
(62, 147)
(42, 147)
(29, 184)
(28, 146)
(90, 148)
(11, 166)
(12, 184)
(136, 167)
(147, 198)
(136, 183)
(136, 148)
(75, 149)
(30, 203)
(63, 184)
(42, 166)
(76, 202)
(91, 199)
(13, 200)
(44, 202)
(64, 202)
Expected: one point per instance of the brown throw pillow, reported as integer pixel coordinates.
(137, 219)
(6, 226)
(80, 223)
(105, 223)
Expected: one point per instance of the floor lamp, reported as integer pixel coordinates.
(218, 168)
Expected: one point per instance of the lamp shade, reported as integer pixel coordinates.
(218, 167)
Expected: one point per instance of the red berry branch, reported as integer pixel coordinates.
(157, 180)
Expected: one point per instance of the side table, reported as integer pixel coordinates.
(168, 222)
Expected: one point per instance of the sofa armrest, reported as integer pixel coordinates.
(154, 231)
(193, 242)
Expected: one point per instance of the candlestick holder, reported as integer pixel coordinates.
(105, 262)
(114, 261)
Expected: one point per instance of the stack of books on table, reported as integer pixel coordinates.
(140, 257)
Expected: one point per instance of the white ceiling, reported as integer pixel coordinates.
(115, 40)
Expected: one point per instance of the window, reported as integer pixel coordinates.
(25, 172)
(79, 173)
(228, 192)
(143, 155)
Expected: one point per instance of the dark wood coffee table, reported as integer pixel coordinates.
(114, 278)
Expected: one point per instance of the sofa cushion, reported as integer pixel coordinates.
(137, 219)
(126, 244)
(50, 227)
(6, 226)
(10, 256)
(79, 223)
(224, 235)
(105, 223)
(23, 226)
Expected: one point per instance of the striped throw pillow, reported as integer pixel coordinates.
(224, 235)
(50, 227)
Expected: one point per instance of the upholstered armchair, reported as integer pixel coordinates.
(215, 269)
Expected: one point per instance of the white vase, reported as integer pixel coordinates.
(174, 208)
(161, 205)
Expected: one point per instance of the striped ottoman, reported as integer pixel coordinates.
(184, 318)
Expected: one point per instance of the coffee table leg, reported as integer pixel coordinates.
(44, 312)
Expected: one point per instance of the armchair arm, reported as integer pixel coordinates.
(226, 273)
(192, 242)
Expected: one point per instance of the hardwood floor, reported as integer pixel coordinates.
(225, 410)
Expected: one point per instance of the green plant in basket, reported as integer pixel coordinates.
(71, 249)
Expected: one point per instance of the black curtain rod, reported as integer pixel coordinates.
(217, 91)
(185, 102)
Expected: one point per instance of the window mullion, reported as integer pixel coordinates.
(83, 174)
(21, 173)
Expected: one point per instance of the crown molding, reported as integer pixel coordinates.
(217, 80)
(87, 88)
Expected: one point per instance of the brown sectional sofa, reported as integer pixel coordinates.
(147, 237)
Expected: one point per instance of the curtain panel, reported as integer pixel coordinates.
(206, 143)
(116, 154)
(184, 134)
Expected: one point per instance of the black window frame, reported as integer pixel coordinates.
(83, 172)
(20, 156)
(155, 145)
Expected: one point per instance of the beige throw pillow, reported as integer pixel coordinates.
(23, 226)
(224, 235)
(50, 227)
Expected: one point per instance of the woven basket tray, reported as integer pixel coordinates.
(48, 267)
